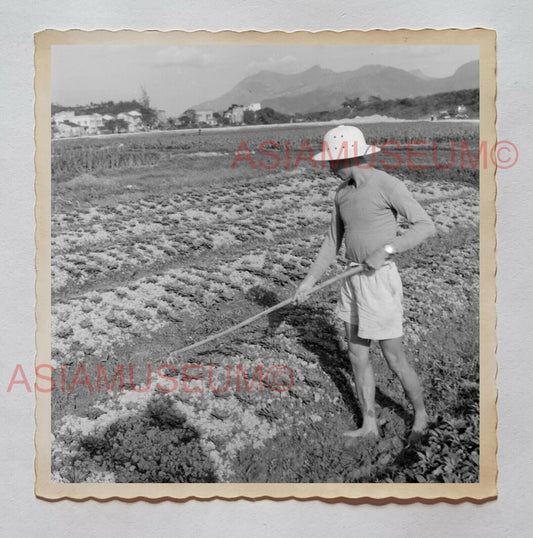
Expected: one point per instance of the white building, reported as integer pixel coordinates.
(133, 119)
(205, 116)
(65, 115)
(254, 107)
(66, 129)
(234, 114)
(91, 123)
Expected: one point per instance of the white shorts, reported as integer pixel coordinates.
(373, 301)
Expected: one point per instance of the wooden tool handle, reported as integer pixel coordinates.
(352, 271)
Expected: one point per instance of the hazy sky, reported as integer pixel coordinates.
(178, 77)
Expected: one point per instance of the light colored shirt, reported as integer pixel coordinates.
(365, 215)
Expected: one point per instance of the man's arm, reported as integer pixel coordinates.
(421, 226)
(327, 253)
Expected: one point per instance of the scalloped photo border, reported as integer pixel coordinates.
(376, 493)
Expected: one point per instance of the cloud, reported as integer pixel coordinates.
(183, 57)
(286, 64)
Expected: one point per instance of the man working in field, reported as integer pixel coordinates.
(364, 213)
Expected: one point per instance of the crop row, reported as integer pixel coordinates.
(101, 242)
(92, 325)
(73, 157)
(439, 284)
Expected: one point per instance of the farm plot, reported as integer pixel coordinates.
(134, 281)
(108, 154)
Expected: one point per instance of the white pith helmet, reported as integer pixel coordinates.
(344, 142)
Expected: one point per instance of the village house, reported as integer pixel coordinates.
(253, 107)
(60, 117)
(66, 129)
(65, 121)
(133, 119)
(234, 114)
(461, 113)
(162, 116)
(205, 116)
(135, 114)
(91, 123)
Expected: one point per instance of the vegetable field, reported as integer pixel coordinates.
(159, 240)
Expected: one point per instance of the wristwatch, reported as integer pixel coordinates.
(389, 249)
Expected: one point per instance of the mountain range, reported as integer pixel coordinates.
(319, 89)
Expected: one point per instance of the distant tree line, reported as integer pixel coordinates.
(265, 116)
(402, 108)
(407, 107)
(149, 115)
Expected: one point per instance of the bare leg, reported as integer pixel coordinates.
(397, 361)
(358, 351)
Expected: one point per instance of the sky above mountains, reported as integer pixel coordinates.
(177, 77)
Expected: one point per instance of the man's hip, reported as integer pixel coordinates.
(372, 300)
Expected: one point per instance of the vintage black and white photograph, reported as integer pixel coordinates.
(264, 262)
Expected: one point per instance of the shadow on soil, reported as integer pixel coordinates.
(318, 335)
(154, 445)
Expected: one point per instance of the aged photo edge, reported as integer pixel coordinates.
(483, 491)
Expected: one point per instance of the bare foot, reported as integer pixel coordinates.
(419, 431)
(421, 422)
(361, 432)
(354, 438)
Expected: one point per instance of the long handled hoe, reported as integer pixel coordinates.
(352, 271)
